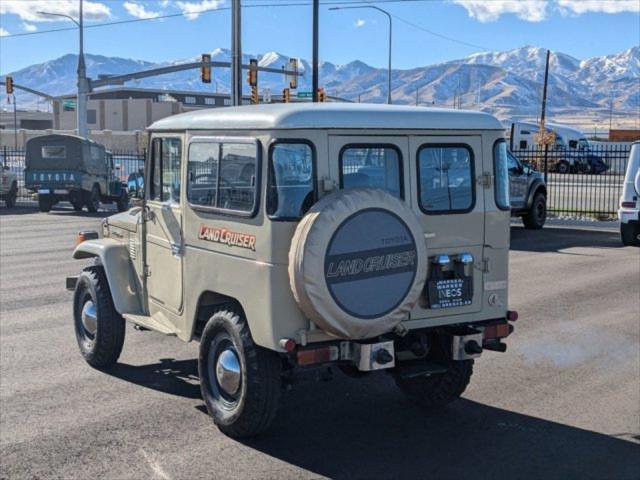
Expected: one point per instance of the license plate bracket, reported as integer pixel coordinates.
(450, 292)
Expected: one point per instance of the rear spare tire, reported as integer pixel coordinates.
(45, 202)
(358, 263)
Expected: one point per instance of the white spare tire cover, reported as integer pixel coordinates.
(358, 263)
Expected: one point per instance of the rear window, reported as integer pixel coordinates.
(291, 180)
(54, 152)
(372, 166)
(445, 175)
(501, 164)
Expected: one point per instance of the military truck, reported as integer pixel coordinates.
(293, 238)
(74, 169)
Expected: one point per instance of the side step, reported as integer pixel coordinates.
(149, 323)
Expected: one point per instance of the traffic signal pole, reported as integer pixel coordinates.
(236, 53)
(315, 60)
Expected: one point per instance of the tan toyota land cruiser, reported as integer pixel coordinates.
(293, 237)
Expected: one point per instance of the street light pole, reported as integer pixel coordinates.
(83, 81)
(390, 40)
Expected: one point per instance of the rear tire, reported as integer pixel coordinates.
(440, 389)
(535, 218)
(45, 202)
(242, 394)
(77, 205)
(93, 199)
(630, 233)
(99, 327)
(563, 167)
(10, 199)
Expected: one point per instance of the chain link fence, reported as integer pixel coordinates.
(581, 183)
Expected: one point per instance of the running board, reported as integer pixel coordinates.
(149, 323)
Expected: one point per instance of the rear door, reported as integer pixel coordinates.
(449, 201)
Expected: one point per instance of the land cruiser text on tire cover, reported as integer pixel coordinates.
(358, 263)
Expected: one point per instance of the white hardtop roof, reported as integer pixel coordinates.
(553, 126)
(327, 116)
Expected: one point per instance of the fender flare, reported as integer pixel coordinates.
(537, 185)
(120, 273)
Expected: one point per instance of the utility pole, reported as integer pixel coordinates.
(543, 133)
(315, 60)
(236, 53)
(15, 124)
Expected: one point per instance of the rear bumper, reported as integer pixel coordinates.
(629, 215)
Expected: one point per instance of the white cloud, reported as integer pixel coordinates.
(139, 11)
(489, 11)
(192, 9)
(28, 11)
(3, 32)
(579, 7)
(164, 3)
(538, 10)
(29, 27)
(359, 23)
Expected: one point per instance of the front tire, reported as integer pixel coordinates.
(563, 167)
(536, 217)
(10, 199)
(93, 199)
(440, 389)
(240, 381)
(122, 204)
(99, 327)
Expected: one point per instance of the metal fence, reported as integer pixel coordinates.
(125, 163)
(581, 182)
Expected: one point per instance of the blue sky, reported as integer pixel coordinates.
(582, 28)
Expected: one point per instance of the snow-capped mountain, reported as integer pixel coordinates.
(507, 82)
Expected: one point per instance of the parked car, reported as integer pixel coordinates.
(70, 168)
(629, 212)
(8, 187)
(527, 191)
(259, 239)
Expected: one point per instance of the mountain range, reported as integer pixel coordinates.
(504, 83)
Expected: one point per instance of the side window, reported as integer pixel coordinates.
(446, 179)
(371, 166)
(223, 175)
(501, 161)
(523, 144)
(512, 163)
(165, 169)
(202, 185)
(291, 180)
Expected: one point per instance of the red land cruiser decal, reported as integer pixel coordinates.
(227, 237)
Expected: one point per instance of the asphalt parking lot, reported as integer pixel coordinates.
(563, 402)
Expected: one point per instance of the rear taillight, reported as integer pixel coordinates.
(628, 204)
(512, 315)
(323, 354)
(497, 331)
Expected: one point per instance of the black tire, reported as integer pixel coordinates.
(251, 407)
(536, 217)
(563, 167)
(77, 205)
(45, 202)
(10, 199)
(122, 204)
(630, 233)
(100, 346)
(440, 389)
(92, 199)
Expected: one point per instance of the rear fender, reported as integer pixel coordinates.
(120, 272)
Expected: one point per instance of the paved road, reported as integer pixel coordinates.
(563, 402)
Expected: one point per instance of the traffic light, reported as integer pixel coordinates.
(286, 95)
(252, 76)
(205, 68)
(293, 77)
(8, 83)
(254, 95)
(321, 94)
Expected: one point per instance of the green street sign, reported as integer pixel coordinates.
(305, 94)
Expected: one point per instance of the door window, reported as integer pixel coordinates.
(373, 166)
(166, 154)
(446, 179)
(223, 175)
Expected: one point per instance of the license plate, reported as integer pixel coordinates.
(44, 191)
(454, 292)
